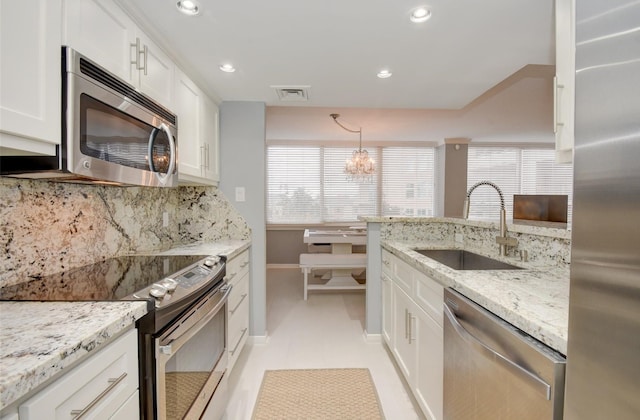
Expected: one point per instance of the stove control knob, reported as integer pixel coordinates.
(158, 291)
(211, 262)
(169, 284)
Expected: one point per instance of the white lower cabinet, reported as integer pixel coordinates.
(387, 310)
(103, 386)
(412, 328)
(238, 306)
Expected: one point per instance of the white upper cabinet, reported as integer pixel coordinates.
(188, 99)
(155, 70)
(198, 134)
(211, 140)
(564, 82)
(103, 32)
(30, 40)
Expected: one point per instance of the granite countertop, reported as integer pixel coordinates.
(228, 248)
(536, 300)
(40, 339)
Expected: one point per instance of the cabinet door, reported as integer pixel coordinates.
(564, 82)
(155, 78)
(387, 310)
(187, 106)
(429, 365)
(211, 140)
(100, 30)
(30, 80)
(404, 334)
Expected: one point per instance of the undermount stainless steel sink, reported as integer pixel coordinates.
(459, 259)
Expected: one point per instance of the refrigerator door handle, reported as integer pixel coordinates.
(534, 380)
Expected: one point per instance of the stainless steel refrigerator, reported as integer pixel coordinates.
(603, 356)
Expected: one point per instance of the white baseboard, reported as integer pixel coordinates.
(283, 266)
(372, 338)
(258, 339)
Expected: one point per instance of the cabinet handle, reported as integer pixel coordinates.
(113, 382)
(206, 156)
(244, 331)
(406, 323)
(145, 54)
(238, 305)
(244, 264)
(230, 277)
(203, 156)
(411, 318)
(556, 106)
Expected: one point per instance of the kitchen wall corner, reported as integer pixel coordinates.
(47, 227)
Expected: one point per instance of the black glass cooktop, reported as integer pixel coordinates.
(111, 279)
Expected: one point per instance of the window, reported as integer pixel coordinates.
(516, 171)
(307, 184)
(408, 178)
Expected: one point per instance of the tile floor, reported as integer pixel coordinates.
(326, 331)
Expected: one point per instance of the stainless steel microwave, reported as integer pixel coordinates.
(111, 133)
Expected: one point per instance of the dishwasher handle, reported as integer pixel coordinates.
(537, 383)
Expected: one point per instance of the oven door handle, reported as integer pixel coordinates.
(174, 344)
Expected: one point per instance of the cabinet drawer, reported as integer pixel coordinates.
(238, 332)
(387, 261)
(239, 294)
(429, 295)
(101, 384)
(403, 275)
(237, 266)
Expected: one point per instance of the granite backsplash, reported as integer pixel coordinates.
(47, 227)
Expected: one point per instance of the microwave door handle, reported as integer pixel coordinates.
(172, 148)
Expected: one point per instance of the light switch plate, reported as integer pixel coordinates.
(240, 194)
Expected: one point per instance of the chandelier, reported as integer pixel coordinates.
(360, 166)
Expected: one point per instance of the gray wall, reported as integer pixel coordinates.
(285, 246)
(455, 179)
(242, 148)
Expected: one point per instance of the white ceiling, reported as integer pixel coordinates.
(337, 46)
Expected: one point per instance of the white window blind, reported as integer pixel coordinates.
(307, 184)
(408, 181)
(344, 199)
(516, 171)
(293, 184)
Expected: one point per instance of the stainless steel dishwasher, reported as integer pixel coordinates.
(493, 370)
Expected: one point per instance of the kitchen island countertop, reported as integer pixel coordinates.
(535, 300)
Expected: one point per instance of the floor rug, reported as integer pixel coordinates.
(317, 394)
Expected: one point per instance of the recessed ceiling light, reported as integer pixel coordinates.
(420, 14)
(188, 7)
(383, 74)
(227, 68)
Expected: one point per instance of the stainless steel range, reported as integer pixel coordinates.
(182, 339)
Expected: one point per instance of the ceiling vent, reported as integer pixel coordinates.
(292, 93)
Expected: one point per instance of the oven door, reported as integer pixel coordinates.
(191, 361)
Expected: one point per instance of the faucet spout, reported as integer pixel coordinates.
(502, 240)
